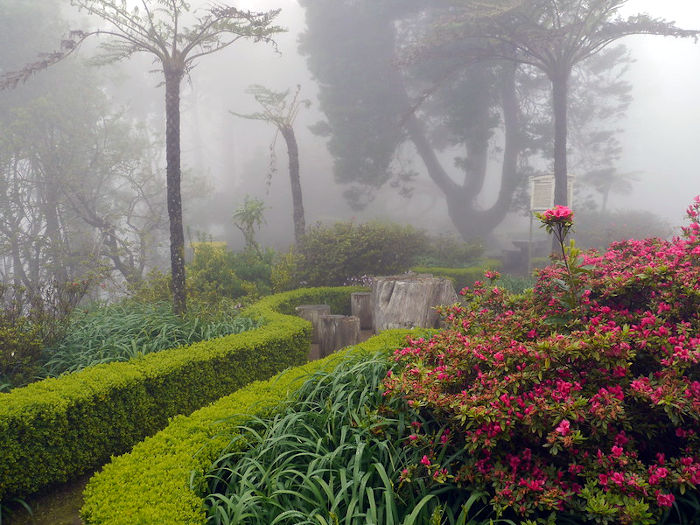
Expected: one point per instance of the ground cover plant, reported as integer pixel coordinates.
(581, 398)
(335, 454)
(125, 330)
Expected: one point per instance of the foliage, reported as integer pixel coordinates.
(461, 277)
(248, 218)
(334, 453)
(595, 414)
(284, 271)
(20, 350)
(29, 321)
(79, 184)
(56, 429)
(149, 484)
(448, 251)
(213, 275)
(126, 330)
(332, 255)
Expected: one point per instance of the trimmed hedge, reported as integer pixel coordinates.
(151, 484)
(461, 277)
(57, 429)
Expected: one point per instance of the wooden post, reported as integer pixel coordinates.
(336, 332)
(311, 312)
(361, 306)
(408, 301)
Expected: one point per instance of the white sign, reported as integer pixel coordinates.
(542, 192)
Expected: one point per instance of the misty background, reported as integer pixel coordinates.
(225, 158)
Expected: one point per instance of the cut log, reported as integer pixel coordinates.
(361, 306)
(311, 312)
(408, 301)
(336, 332)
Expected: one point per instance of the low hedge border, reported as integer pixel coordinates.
(151, 484)
(57, 429)
(461, 277)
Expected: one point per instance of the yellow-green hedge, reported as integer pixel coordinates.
(461, 277)
(150, 485)
(54, 430)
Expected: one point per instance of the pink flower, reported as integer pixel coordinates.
(564, 427)
(425, 461)
(665, 500)
(558, 214)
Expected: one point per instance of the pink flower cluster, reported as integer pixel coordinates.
(609, 401)
(558, 214)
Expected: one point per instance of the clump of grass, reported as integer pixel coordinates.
(334, 455)
(128, 329)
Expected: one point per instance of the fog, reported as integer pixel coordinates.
(228, 157)
(662, 127)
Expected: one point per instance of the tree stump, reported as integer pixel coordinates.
(361, 306)
(408, 301)
(336, 332)
(311, 312)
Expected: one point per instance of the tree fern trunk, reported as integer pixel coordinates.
(172, 144)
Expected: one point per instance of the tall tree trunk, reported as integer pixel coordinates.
(472, 222)
(560, 82)
(173, 76)
(297, 203)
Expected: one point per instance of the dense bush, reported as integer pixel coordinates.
(447, 251)
(214, 274)
(20, 352)
(129, 329)
(332, 255)
(581, 398)
(29, 321)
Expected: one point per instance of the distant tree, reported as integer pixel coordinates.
(393, 75)
(79, 198)
(609, 180)
(77, 185)
(156, 28)
(554, 36)
(281, 111)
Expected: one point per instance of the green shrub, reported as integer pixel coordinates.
(211, 274)
(20, 352)
(333, 255)
(447, 251)
(214, 273)
(56, 429)
(161, 479)
(461, 277)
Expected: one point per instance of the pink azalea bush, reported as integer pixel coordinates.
(596, 414)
